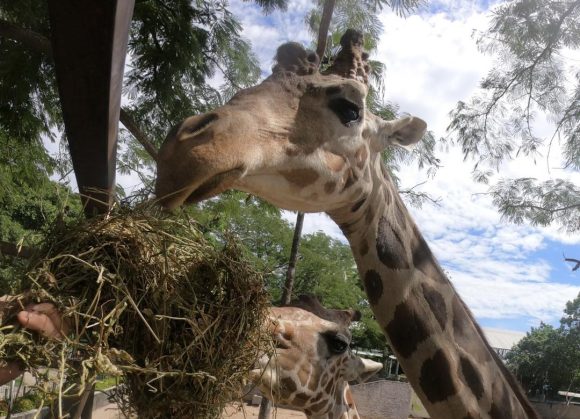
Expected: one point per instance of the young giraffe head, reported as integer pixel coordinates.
(304, 141)
(312, 364)
(301, 140)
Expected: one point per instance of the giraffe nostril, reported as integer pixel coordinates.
(200, 125)
(282, 340)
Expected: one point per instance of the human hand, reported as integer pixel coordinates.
(43, 318)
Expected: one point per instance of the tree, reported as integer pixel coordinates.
(547, 359)
(530, 40)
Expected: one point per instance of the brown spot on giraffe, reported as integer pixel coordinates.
(288, 385)
(501, 408)
(329, 387)
(400, 215)
(407, 329)
(349, 178)
(361, 156)
(300, 177)
(390, 246)
(369, 214)
(471, 377)
(436, 303)
(334, 162)
(329, 187)
(363, 247)
(462, 323)
(373, 286)
(423, 258)
(436, 382)
(320, 406)
(292, 151)
(358, 204)
(388, 197)
(301, 399)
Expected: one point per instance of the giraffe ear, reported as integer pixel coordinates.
(362, 369)
(404, 132)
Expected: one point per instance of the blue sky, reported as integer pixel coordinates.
(512, 277)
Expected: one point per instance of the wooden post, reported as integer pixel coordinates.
(89, 43)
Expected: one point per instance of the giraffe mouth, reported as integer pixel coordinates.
(214, 186)
(193, 194)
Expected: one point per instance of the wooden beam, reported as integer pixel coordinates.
(89, 44)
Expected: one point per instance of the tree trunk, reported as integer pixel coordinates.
(324, 25)
(290, 273)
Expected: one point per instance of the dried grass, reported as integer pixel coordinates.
(151, 299)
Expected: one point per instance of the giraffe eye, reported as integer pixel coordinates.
(337, 344)
(346, 111)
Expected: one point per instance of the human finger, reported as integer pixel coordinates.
(41, 323)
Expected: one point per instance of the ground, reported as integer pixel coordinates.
(232, 412)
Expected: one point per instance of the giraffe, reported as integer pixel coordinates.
(304, 141)
(312, 364)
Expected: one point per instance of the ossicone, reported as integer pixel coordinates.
(294, 58)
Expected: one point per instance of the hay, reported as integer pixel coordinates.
(150, 299)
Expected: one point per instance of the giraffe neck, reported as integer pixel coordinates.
(344, 408)
(441, 348)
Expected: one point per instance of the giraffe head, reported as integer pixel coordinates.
(312, 363)
(301, 140)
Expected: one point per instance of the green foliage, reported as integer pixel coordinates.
(29, 200)
(106, 382)
(547, 360)
(530, 40)
(28, 197)
(175, 47)
(540, 203)
(271, 5)
(29, 104)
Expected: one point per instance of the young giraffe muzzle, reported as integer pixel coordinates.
(305, 141)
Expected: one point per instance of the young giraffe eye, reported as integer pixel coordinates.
(346, 111)
(336, 344)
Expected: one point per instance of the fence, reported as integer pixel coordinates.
(14, 389)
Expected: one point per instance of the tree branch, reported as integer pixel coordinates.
(530, 68)
(139, 135)
(37, 42)
(539, 208)
(30, 39)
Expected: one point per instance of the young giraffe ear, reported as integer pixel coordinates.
(362, 369)
(404, 132)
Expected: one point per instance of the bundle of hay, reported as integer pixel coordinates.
(148, 298)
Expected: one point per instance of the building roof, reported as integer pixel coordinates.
(501, 338)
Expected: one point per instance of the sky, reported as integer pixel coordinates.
(511, 276)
